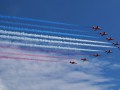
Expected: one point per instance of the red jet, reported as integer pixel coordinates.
(109, 39)
(108, 51)
(72, 62)
(84, 59)
(103, 33)
(95, 28)
(96, 55)
(115, 44)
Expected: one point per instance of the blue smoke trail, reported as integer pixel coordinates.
(48, 27)
(35, 20)
(47, 32)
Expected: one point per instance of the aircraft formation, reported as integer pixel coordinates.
(97, 28)
(53, 37)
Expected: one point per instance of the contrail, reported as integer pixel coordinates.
(35, 20)
(50, 37)
(45, 46)
(41, 26)
(45, 32)
(51, 41)
(17, 58)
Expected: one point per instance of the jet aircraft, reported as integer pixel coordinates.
(96, 55)
(95, 28)
(110, 38)
(103, 33)
(108, 51)
(72, 62)
(115, 44)
(84, 59)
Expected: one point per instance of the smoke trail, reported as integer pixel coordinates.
(45, 46)
(58, 52)
(35, 20)
(48, 37)
(46, 32)
(52, 41)
(39, 26)
(17, 58)
(36, 55)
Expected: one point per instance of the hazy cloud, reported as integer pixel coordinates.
(36, 75)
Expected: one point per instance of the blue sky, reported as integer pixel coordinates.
(84, 13)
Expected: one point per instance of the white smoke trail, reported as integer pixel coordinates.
(45, 46)
(44, 31)
(51, 41)
(50, 37)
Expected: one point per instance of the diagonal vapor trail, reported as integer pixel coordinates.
(52, 41)
(41, 26)
(50, 37)
(18, 58)
(45, 32)
(35, 20)
(52, 47)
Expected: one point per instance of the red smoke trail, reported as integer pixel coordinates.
(17, 58)
(41, 50)
(37, 55)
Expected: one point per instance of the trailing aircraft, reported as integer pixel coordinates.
(96, 55)
(108, 51)
(115, 44)
(103, 33)
(84, 59)
(72, 62)
(110, 38)
(95, 28)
